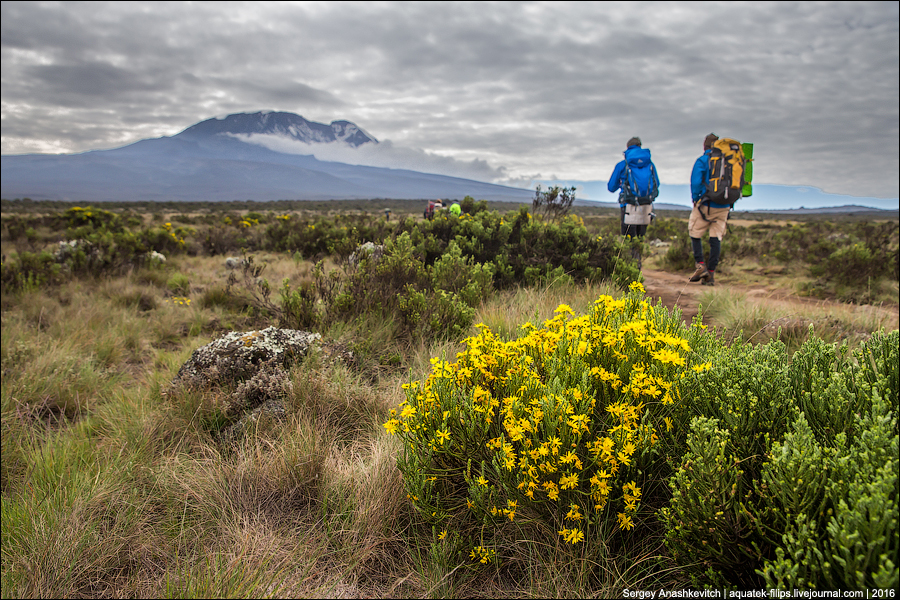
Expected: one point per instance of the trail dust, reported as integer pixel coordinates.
(675, 290)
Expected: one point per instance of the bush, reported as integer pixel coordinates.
(559, 430)
(179, 284)
(762, 469)
(790, 473)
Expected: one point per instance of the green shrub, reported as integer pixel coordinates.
(790, 474)
(298, 307)
(709, 527)
(179, 284)
(29, 271)
(838, 506)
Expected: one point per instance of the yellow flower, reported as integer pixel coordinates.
(442, 436)
(572, 536)
(568, 482)
(625, 521)
(667, 356)
(442, 534)
(391, 426)
(564, 308)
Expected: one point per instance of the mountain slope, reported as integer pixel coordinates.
(209, 162)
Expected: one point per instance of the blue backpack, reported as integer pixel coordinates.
(640, 185)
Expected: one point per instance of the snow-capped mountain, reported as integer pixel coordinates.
(282, 124)
(215, 160)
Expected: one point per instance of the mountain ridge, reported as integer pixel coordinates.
(213, 161)
(285, 124)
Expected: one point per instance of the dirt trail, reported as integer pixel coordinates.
(675, 290)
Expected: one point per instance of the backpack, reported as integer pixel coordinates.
(640, 185)
(729, 172)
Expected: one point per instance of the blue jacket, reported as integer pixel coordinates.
(699, 177)
(617, 179)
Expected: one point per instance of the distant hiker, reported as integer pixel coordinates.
(456, 209)
(429, 210)
(638, 181)
(712, 218)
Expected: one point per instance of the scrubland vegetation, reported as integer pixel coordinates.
(496, 407)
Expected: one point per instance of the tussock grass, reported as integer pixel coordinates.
(505, 312)
(760, 320)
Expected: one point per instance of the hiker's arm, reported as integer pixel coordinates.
(698, 177)
(614, 180)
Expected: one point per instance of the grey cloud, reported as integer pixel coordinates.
(529, 87)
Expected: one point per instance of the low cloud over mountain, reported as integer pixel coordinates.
(259, 156)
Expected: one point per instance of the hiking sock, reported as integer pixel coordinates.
(715, 250)
(697, 249)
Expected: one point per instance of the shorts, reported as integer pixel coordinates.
(714, 222)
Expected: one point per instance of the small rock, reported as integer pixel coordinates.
(238, 356)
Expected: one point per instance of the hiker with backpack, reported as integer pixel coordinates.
(638, 182)
(717, 182)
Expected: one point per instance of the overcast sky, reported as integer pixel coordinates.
(500, 92)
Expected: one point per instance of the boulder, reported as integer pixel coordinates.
(238, 356)
(369, 250)
(234, 262)
(255, 361)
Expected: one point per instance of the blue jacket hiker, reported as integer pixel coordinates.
(637, 181)
(706, 216)
(699, 177)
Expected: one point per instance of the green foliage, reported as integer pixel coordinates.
(709, 527)
(838, 506)
(298, 307)
(425, 301)
(179, 284)
(800, 459)
(29, 271)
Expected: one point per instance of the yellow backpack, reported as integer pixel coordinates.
(729, 171)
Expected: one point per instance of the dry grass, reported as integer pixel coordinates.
(112, 486)
(759, 320)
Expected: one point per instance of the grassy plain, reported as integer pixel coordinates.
(113, 486)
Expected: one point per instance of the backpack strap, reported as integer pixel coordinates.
(626, 185)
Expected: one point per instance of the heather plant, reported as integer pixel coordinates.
(424, 301)
(555, 431)
(788, 468)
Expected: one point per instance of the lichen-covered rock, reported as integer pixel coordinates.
(235, 262)
(261, 396)
(237, 356)
(369, 250)
(271, 384)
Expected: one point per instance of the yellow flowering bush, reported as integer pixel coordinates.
(554, 427)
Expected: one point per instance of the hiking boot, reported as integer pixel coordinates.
(700, 272)
(709, 279)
